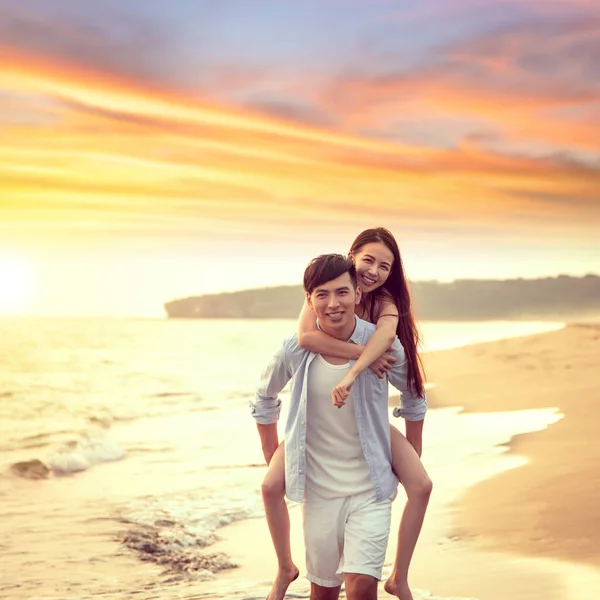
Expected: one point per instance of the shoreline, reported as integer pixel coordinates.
(546, 508)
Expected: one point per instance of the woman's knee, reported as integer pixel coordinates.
(421, 489)
(273, 488)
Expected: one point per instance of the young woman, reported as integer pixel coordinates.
(386, 302)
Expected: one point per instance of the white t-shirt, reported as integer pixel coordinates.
(335, 463)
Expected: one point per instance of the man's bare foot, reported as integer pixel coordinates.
(282, 582)
(398, 588)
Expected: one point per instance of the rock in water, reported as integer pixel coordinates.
(31, 469)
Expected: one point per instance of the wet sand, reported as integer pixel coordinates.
(549, 507)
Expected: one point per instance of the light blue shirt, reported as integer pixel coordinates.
(370, 404)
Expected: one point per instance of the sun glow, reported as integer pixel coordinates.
(16, 284)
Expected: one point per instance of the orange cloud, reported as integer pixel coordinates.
(115, 158)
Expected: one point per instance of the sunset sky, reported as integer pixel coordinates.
(151, 150)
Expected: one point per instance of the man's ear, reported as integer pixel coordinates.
(309, 301)
(358, 295)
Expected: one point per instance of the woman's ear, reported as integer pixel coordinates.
(358, 295)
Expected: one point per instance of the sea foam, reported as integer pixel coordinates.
(90, 449)
(175, 531)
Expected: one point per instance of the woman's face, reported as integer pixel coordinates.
(373, 265)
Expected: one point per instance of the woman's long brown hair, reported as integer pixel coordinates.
(397, 287)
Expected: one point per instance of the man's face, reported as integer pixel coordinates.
(334, 304)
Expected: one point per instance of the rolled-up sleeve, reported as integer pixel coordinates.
(412, 407)
(266, 405)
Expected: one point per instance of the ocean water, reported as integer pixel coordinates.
(126, 445)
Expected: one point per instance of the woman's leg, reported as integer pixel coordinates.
(278, 519)
(416, 482)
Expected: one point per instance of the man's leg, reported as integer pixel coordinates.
(318, 592)
(365, 542)
(360, 587)
(324, 541)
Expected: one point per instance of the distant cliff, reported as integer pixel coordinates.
(554, 298)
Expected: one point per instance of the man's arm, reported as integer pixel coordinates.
(266, 405)
(414, 434)
(269, 440)
(412, 407)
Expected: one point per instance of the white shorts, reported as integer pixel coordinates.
(344, 535)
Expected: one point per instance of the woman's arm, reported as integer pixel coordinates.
(377, 346)
(310, 338)
(379, 343)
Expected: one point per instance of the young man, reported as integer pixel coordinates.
(337, 460)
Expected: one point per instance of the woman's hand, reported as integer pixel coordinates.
(383, 364)
(380, 367)
(341, 391)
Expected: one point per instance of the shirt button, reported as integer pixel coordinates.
(301, 422)
(301, 447)
(300, 471)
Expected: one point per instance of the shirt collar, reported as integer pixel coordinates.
(357, 334)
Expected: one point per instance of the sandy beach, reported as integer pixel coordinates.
(525, 533)
(549, 507)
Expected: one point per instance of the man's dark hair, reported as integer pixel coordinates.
(326, 267)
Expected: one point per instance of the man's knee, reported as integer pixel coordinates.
(318, 592)
(360, 586)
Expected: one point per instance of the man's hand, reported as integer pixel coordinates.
(383, 364)
(268, 454)
(269, 440)
(341, 391)
(417, 445)
(414, 434)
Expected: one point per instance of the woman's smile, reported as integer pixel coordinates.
(369, 281)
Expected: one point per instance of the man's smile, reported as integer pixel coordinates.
(335, 316)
